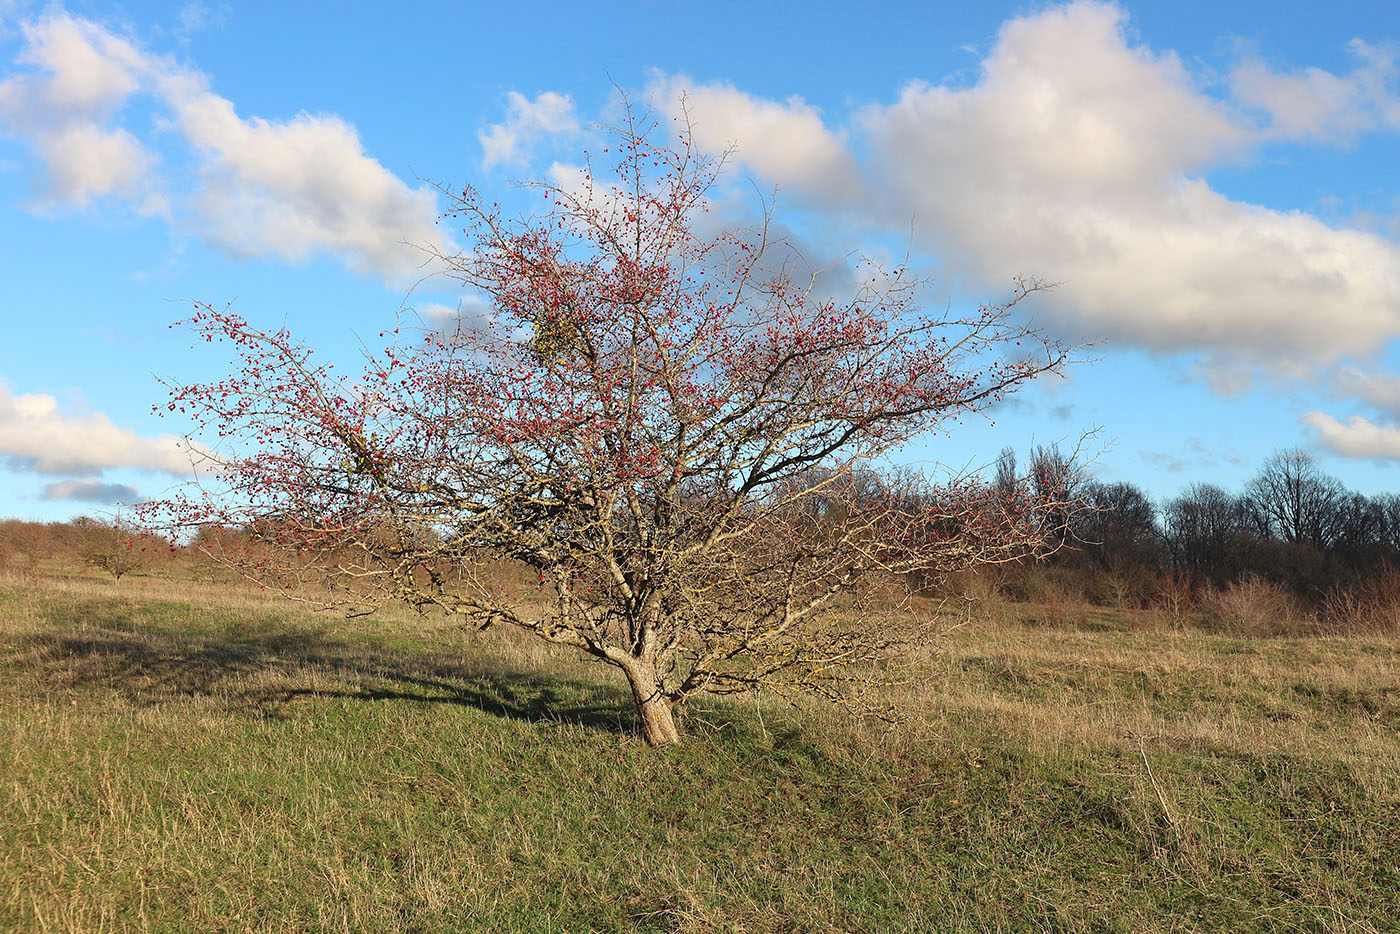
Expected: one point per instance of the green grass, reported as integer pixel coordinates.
(175, 760)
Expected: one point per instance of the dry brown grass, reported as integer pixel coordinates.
(1084, 691)
(192, 756)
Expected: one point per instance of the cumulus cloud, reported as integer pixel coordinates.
(1079, 155)
(1379, 389)
(298, 187)
(527, 122)
(85, 161)
(35, 435)
(785, 141)
(65, 115)
(91, 491)
(471, 312)
(1358, 436)
(90, 71)
(1314, 103)
(290, 189)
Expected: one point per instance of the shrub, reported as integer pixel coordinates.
(1255, 606)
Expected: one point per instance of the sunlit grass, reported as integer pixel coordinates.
(183, 756)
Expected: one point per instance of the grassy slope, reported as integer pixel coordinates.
(178, 758)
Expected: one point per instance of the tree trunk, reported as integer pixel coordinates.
(658, 725)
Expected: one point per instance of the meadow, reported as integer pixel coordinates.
(189, 754)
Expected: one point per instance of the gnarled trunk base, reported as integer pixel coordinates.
(658, 723)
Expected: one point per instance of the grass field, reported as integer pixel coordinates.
(184, 757)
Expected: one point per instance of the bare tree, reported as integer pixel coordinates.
(1007, 479)
(1388, 508)
(1295, 501)
(1204, 529)
(1055, 478)
(673, 430)
(118, 547)
(1118, 525)
(1359, 528)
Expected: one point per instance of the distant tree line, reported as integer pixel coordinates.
(1293, 529)
(112, 546)
(1292, 525)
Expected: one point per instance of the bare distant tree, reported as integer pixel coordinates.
(118, 547)
(1204, 529)
(1388, 512)
(1295, 501)
(1118, 525)
(1360, 527)
(1007, 478)
(1055, 478)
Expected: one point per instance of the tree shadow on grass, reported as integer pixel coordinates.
(259, 669)
(512, 695)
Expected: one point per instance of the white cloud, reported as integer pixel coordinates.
(86, 161)
(1062, 100)
(290, 189)
(786, 141)
(197, 17)
(1078, 155)
(471, 312)
(526, 123)
(1378, 389)
(1074, 156)
(1357, 437)
(90, 71)
(65, 116)
(295, 188)
(1314, 103)
(35, 435)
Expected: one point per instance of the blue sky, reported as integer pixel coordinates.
(1213, 184)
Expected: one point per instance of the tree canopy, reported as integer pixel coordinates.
(676, 431)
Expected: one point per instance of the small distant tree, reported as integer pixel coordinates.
(673, 430)
(21, 539)
(118, 547)
(1055, 478)
(1006, 479)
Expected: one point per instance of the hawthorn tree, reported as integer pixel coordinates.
(674, 431)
